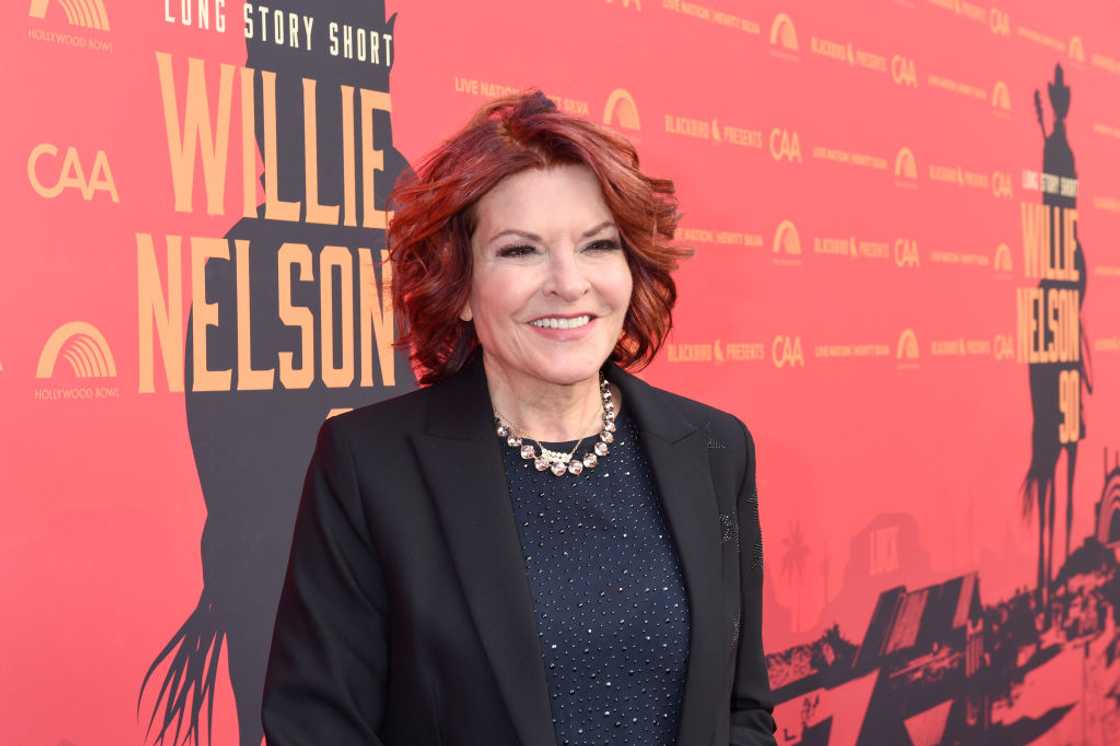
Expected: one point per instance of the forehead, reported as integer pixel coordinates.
(556, 200)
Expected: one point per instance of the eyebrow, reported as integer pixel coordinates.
(526, 234)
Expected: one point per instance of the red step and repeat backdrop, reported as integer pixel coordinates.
(906, 218)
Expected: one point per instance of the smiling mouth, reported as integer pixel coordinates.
(555, 322)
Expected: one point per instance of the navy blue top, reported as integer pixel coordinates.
(609, 597)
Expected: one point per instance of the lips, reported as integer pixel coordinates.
(562, 322)
(563, 316)
(564, 334)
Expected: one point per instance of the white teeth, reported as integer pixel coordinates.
(575, 323)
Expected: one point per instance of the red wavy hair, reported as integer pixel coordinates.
(429, 237)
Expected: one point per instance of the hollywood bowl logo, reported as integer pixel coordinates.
(786, 239)
(86, 352)
(907, 347)
(783, 34)
(1001, 97)
(905, 165)
(84, 13)
(1002, 260)
(906, 169)
(783, 38)
(621, 111)
(83, 347)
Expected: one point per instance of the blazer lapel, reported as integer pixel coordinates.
(462, 462)
(678, 455)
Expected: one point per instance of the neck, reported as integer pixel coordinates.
(547, 411)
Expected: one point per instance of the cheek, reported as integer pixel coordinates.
(501, 294)
(620, 286)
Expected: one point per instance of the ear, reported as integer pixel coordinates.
(466, 314)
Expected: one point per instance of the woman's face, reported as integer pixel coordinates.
(546, 250)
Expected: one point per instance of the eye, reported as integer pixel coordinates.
(604, 245)
(521, 250)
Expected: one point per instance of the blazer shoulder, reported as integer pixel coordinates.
(730, 445)
(702, 415)
(387, 419)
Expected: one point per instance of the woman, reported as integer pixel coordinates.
(538, 547)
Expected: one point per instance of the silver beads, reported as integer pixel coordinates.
(565, 463)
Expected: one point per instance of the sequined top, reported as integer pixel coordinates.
(609, 597)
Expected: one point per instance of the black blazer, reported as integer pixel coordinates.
(406, 617)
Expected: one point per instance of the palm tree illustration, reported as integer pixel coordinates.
(794, 558)
(824, 572)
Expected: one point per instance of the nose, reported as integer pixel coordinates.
(566, 277)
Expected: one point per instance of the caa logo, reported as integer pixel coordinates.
(905, 165)
(907, 345)
(785, 145)
(1002, 260)
(83, 346)
(999, 22)
(1001, 185)
(906, 253)
(786, 351)
(904, 71)
(1076, 49)
(71, 175)
(786, 240)
(1001, 98)
(621, 107)
(84, 13)
(782, 33)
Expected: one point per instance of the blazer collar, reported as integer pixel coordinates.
(461, 459)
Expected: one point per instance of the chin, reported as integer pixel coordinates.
(571, 368)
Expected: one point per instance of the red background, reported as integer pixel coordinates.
(103, 512)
